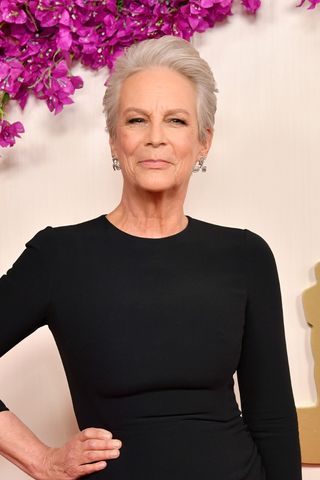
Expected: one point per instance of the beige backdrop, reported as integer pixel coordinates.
(263, 174)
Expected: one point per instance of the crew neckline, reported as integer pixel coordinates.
(124, 234)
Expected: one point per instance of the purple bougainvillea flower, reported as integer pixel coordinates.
(65, 18)
(8, 132)
(64, 38)
(11, 13)
(251, 5)
(56, 85)
(20, 33)
(111, 25)
(4, 70)
(207, 3)
(77, 81)
(41, 40)
(56, 100)
(313, 4)
(50, 12)
(22, 96)
(11, 76)
(61, 70)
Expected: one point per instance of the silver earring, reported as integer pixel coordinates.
(199, 165)
(115, 163)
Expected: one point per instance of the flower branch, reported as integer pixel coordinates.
(41, 40)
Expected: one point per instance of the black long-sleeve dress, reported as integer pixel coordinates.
(150, 332)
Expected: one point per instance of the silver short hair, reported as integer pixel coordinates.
(167, 51)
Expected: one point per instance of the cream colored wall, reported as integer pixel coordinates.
(263, 174)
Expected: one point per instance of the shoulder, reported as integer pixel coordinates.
(248, 237)
(209, 230)
(260, 262)
(53, 237)
(251, 245)
(257, 246)
(68, 230)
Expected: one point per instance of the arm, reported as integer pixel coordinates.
(25, 292)
(73, 460)
(21, 447)
(25, 300)
(263, 372)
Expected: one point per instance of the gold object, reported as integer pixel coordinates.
(309, 418)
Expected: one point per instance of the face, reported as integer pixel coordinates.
(156, 139)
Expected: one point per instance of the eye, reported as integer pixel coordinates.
(178, 121)
(135, 120)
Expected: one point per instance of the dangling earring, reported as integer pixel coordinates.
(115, 163)
(199, 165)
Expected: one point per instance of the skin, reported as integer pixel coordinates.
(86, 452)
(161, 124)
(157, 119)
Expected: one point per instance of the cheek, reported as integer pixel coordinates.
(127, 142)
(187, 148)
(185, 138)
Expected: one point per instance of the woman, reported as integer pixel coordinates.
(153, 311)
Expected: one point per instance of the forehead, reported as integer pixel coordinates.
(158, 86)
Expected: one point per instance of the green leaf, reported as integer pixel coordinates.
(119, 5)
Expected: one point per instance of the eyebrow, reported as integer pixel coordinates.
(168, 112)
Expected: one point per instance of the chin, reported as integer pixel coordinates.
(156, 185)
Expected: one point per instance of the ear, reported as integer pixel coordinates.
(112, 146)
(206, 144)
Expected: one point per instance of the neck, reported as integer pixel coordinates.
(153, 214)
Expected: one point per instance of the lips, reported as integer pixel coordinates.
(153, 164)
(154, 160)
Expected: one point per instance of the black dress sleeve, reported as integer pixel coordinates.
(25, 293)
(267, 401)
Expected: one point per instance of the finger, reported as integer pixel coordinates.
(88, 468)
(94, 444)
(91, 432)
(98, 455)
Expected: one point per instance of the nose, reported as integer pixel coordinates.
(155, 135)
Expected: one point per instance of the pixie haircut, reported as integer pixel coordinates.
(174, 53)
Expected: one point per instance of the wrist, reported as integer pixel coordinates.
(41, 467)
